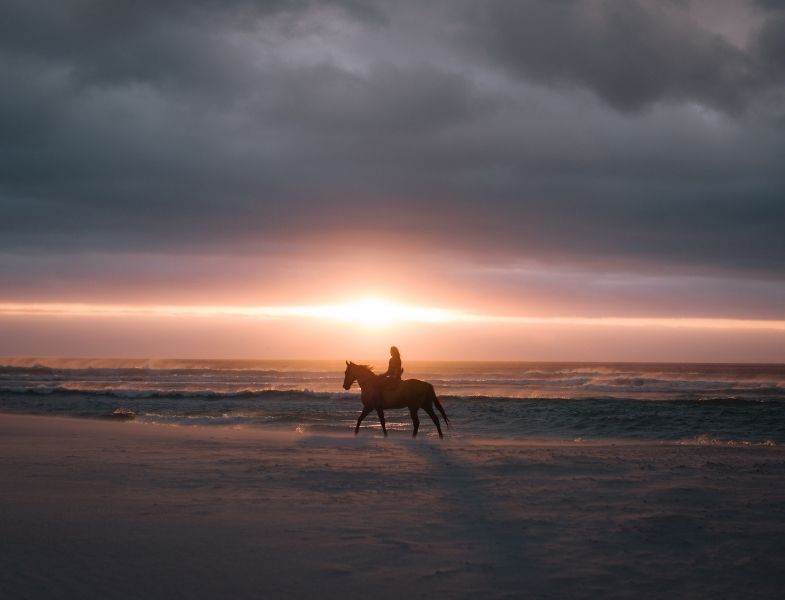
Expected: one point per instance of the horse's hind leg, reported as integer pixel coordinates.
(363, 414)
(380, 412)
(415, 420)
(429, 409)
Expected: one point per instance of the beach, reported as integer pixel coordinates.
(94, 508)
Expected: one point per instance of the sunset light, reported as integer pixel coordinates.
(371, 312)
(374, 313)
(300, 181)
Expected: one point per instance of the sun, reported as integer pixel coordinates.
(378, 313)
(371, 312)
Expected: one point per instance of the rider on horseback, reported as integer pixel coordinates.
(391, 378)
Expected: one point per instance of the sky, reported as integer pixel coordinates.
(496, 179)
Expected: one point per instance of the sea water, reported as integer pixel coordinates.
(689, 403)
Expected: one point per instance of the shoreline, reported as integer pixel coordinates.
(129, 510)
(372, 430)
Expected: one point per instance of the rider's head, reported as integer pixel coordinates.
(394, 351)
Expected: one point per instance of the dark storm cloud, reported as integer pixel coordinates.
(628, 134)
(631, 53)
(770, 45)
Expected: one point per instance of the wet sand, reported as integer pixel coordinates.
(130, 510)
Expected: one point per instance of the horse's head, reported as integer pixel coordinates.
(349, 376)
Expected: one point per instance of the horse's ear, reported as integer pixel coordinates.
(347, 363)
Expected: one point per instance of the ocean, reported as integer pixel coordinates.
(686, 403)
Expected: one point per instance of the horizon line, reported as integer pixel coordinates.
(30, 357)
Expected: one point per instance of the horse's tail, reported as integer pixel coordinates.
(439, 406)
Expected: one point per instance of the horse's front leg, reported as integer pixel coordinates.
(363, 414)
(380, 412)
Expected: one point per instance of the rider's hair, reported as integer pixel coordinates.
(394, 350)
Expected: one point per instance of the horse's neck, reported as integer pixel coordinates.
(366, 378)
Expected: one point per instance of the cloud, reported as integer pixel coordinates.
(621, 136)
(630, 53)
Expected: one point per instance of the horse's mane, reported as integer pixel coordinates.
(366, 367)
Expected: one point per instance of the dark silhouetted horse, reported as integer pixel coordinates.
(410, 393)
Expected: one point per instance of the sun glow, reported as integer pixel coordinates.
(370, 312)
(373, 313)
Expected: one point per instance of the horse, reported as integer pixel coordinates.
(410, 393)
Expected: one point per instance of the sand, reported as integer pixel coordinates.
(94, 509)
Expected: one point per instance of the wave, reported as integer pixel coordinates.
(133, 393)
(252, 393)
(508, 380)
(710, 440)
(43, 370)
(158, 364)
